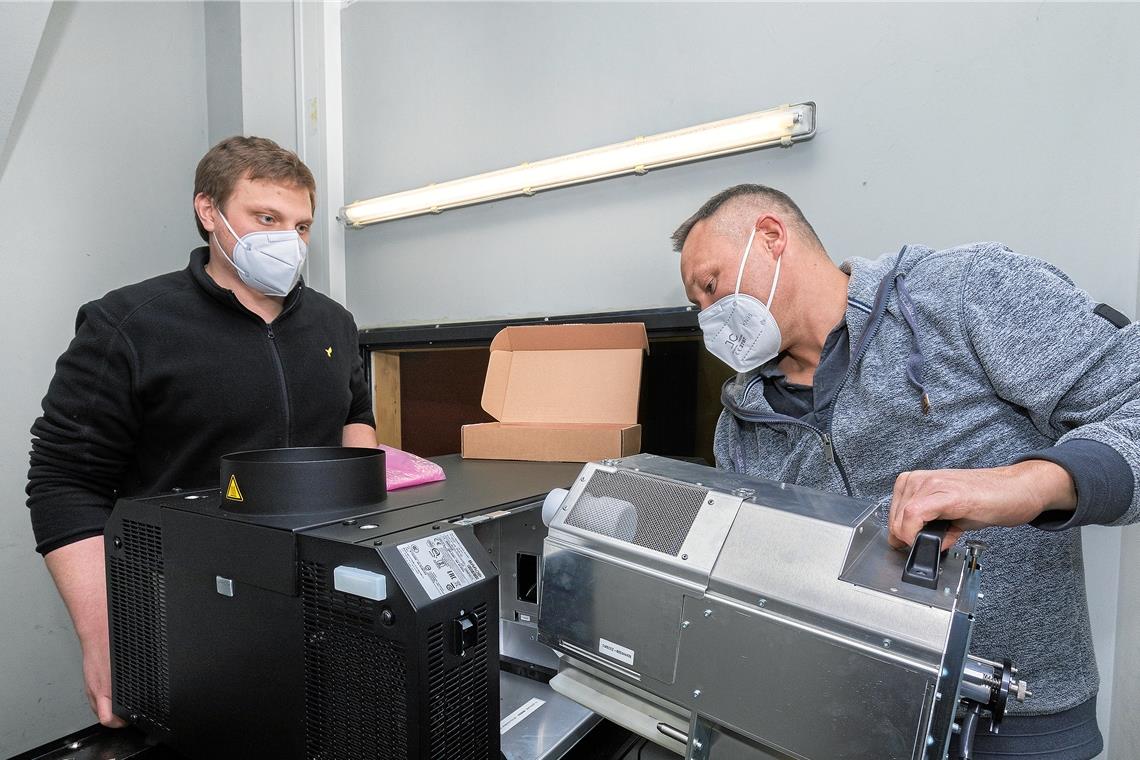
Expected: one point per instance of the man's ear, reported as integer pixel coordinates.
(204, 208)
(772, 233)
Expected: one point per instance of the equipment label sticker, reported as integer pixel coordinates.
(441, 563)
(515, 718)
(617, 651)
(232, 491)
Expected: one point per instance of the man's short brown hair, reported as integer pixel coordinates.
(241, 157)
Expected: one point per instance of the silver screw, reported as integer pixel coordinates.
(886, 643)
(762, 602)
(696, 693)
(697, 745)
(708, 613)
(685, 623)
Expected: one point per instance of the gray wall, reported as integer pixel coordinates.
(21, 26)
(95, 194)
(1125, 727)
(938, 124)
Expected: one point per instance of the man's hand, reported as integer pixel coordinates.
(97, 679)
(78, 571)
(973, 499)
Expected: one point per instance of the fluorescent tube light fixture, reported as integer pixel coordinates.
(778, 126)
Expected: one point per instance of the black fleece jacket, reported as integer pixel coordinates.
(165, 376)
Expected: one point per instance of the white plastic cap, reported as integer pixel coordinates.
(365, 583)
(553, 501)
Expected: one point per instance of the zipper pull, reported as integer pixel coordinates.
(828, 451)
(269, 330)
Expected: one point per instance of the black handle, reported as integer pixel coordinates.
(925, 558)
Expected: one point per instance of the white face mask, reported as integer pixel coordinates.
(269, 262)
(738, 329)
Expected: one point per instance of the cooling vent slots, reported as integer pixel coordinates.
(458, 696)
(138, 615)
(355, 680)
(665, 512)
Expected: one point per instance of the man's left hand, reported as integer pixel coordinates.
(973, 499)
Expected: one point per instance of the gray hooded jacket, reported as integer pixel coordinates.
(1015, 363)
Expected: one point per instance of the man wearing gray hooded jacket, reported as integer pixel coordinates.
(970, 384)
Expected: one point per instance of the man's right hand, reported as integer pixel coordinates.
(79, 574)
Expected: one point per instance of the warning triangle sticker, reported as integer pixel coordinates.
(232, 491)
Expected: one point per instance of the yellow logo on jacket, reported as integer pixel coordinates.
(329, 351)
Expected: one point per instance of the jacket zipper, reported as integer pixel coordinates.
(281, 381)
(824, 435)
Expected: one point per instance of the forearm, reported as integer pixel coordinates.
(1043, 486)
(78, 572)
(359, 435)
(1103, 480)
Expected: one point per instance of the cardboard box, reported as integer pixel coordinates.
(561, 393)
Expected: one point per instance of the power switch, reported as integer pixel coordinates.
(465, 634)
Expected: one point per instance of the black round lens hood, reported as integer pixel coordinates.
(302, 481)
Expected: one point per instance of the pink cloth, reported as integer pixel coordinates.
(406, 469)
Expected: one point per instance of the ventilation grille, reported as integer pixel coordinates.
(138, 616)
(355, 680)
(458, 697)
(653, 513)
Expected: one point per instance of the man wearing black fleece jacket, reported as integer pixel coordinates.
(165, 376)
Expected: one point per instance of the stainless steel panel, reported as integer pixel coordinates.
(872, 563)
(827, 507)
(506, 534)
(713, 741)
(586, 600)
(799, 693)
(519, 641)
(791, 561)
(549, 731)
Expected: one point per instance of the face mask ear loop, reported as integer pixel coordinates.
(237, 242)
(743, 261)
(775, 279)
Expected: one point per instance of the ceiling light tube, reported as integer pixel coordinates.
(778, 126)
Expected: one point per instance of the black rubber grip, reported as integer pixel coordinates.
(925, 560)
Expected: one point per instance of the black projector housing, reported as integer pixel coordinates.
(230, 636)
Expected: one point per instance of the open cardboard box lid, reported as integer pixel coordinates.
(561, 393)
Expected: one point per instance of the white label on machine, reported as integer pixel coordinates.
(515, 718)
(441, 563)
(617, 651)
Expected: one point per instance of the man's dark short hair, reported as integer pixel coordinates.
(766, 195)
